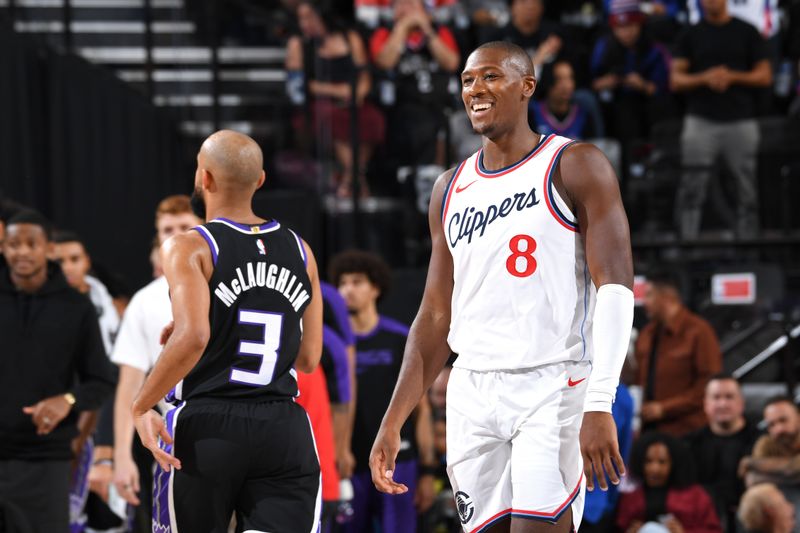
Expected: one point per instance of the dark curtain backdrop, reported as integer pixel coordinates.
(90, 152)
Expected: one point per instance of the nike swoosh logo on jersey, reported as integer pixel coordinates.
(465, 187)
(571, 383)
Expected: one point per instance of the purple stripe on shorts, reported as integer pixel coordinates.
(161, 519)
(79, 489)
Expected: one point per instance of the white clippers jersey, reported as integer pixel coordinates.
(522, 294)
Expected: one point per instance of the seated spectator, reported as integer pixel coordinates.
(719, 447)
(666, 497)
(630, 73)
(764, 509)
(418, 59)
(776, 455)
(718, 63)
(557, 111)
(676, 353)
(321, 63)
(530, 30)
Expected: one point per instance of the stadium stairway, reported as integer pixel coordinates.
(173, 62)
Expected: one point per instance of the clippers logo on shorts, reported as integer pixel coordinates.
(464, 506)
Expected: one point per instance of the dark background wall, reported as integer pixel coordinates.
(88, 151)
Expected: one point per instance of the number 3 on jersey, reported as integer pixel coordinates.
(522, 248)
(267, 348)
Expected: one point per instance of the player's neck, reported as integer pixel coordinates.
(365, 321)
(509, 148)
(237, 211)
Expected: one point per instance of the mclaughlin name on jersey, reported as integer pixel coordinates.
(266, 275)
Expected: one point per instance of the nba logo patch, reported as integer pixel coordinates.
(262, 249)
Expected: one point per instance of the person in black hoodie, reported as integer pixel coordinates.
(53, 366)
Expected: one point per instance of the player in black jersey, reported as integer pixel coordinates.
(247, 311)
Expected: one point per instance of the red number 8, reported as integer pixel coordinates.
(527, 253)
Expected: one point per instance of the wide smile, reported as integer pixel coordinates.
(481, 108)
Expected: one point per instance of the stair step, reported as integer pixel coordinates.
(94, 4)
(105, 27)
(183, 55)
(204, 128)
(204, 75)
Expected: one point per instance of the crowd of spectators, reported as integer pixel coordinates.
(608, 72)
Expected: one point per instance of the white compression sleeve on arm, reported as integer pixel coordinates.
(611, 334)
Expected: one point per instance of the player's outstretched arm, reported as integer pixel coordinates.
(310, 351)
(426, 349)
(187, 266)
(591, 184)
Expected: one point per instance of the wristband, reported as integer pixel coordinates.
(101, 462)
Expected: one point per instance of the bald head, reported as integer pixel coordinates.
(233, 159)
(516, 57)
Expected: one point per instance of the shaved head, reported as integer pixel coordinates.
(234, 159)
(516, 56)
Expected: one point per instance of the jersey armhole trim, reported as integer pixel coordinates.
(212, 243)
(549, 196)
(302, 248)
(448, 191)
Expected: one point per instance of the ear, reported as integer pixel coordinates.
(528, 86)
(207, 180)
(261, 180)
(51, 250)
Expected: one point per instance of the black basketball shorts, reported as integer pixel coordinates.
(255, 459)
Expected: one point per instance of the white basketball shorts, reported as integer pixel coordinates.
(513, 443)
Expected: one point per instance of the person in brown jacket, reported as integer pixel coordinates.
(677, 353)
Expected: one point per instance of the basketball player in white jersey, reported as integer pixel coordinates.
(529, 283)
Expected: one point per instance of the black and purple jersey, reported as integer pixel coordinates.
(259, 290)
(379, 355)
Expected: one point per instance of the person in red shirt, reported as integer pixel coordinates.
(314, 399)
(667, 496)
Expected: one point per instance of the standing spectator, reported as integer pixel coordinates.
(719, 447)
(676, 353)
(419, 58)
(135, 352)
(558, 112)
(89, 508)
(764, 509)
(532, 32)
(630, 73)
(776, 455)
(313, 397)
(666, 495)
(53, 367)
(70, 252)
(339, 363)
(322, 63)
(718, 64)
(362, 279)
